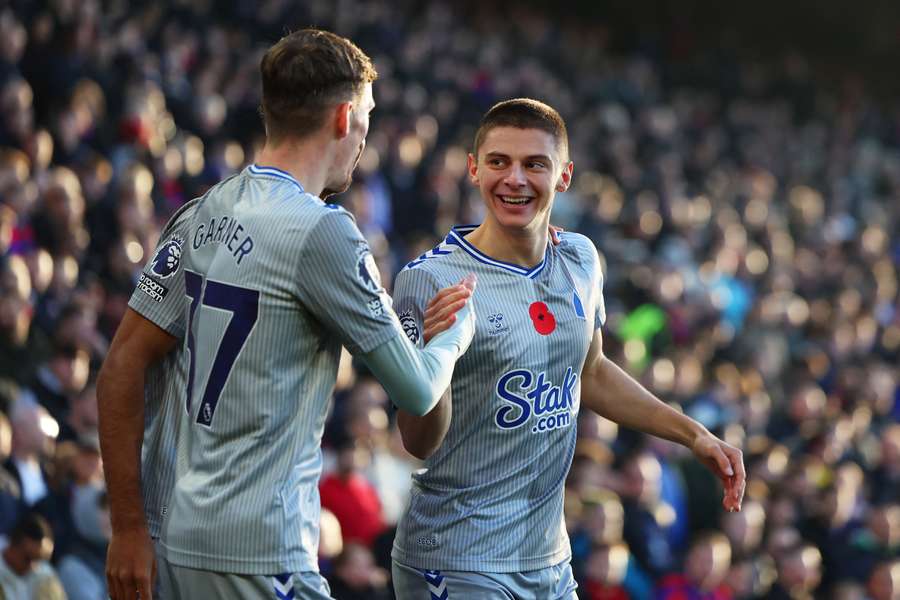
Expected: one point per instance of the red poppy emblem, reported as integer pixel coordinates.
(543, 319)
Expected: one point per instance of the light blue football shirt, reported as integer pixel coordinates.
(490, 498)
(159, 297)
(277, 282)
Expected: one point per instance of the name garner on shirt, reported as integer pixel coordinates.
(225, 230)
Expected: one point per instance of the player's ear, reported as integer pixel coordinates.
(565, 178)
(342, 115)
(472, 167)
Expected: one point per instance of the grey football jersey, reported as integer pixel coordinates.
(159, 297)
(491, 497)
(276, 282)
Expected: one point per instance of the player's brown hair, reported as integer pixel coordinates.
(525, 113)
(304, 74)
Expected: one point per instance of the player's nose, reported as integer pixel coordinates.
(515, 176)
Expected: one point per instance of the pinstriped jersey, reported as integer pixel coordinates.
(491, 496)
(276, 282)
(159, 298)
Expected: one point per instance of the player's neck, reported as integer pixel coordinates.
(303, 160)
(523, 247)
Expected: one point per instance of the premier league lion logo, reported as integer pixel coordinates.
(167, 259)
(367, 271)
(409, 326)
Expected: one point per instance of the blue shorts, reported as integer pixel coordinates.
(552, 583)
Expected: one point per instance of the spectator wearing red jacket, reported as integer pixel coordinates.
(351, 497)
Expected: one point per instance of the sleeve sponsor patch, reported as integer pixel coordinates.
(152, 288)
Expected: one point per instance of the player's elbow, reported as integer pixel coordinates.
(418, 451)
(417, 445)
(417, 400)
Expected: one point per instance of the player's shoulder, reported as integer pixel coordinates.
(578, 247)
(181, 216)
(433, 261)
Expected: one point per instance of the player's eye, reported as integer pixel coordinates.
(535, 164)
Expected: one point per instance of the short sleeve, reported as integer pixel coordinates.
(338, 282)
(159, 294)
(413, 289)
(597, 284)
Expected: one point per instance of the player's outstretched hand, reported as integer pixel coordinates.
(130, 566)
(440, 314)
(727, 463)
(554, 234)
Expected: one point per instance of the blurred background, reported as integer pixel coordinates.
(737, 166)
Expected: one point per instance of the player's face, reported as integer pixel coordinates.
(518, 172)
(353, 145)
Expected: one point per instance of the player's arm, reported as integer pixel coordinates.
(612, 393)
(423, 435)
(350, 302)
(120, 398)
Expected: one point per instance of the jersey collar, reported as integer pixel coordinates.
(274, 172)
(457, 237)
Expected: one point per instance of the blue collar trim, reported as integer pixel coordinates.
(273, 172)
(456, 237)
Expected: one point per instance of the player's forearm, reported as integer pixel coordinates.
(121, 409)
(416, 379)
(423, 435)
(612, 393)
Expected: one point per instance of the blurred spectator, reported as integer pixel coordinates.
(799, 573)
(705, 567)
(63, 374)
(82, 568)
(878, 541)
(31, 425)
(350, 496)
(884, 582)
(745, 529)
(25, 573)
(11, 503)
(355, 576)
(604, 573)
(646, 517)
(82, 418)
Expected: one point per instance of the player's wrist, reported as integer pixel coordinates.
(695, 433)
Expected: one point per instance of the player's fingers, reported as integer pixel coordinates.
(437, 327)
(723, 465)
(112, 582)
(452, 295)
(554, 234)
(439, 310)
(154, 573)
(145, 588)
(441, 294)
(736, 459)
(449, 309)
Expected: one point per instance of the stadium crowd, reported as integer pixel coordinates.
(747, 216)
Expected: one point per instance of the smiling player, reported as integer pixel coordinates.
(485, 518)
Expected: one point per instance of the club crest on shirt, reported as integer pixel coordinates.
(167, 258)
(410, 327)
(367, 271)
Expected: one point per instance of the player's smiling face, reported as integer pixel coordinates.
(518, 172)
